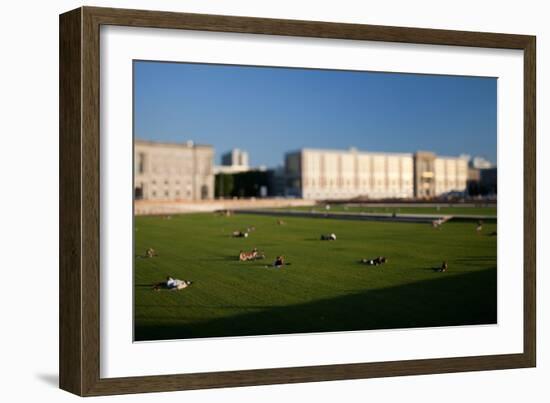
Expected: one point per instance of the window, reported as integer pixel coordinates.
(141, 163)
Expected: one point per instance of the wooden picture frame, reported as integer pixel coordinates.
(80, 199)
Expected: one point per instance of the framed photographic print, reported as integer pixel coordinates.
(248, 201)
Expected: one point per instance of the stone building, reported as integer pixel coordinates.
(436, 175)
(336, 174)
(173, 171)
(235, 157)
(451, 175)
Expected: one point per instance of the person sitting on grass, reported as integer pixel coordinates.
(279, 262)
(443, 268)
(150, 252)
(376, 261)
(172, 284)
(479, 227)
(437, 223)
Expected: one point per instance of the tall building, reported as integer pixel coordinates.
(235, 157)
(336, 174)
(233, 161)
(173, 171)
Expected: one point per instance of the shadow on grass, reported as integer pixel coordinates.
(476, 259)
(449, 300)
(226, 258)
(225, 307)
(144, 285)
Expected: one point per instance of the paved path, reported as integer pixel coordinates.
(412, 218)
(150, 207)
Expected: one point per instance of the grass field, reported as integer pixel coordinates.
(324, 288)
(443, 210)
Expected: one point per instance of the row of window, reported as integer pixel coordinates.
(167, 182)
(363, 163)
(364, 183)
(315, 195)
(170, 169)
(448, 183)
(161, 165)
(166, 193)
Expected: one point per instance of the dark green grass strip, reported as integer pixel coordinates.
(443, 210)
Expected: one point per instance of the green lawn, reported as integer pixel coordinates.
(324, 288)
(443, 210)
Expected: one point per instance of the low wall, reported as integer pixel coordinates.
(148, 207)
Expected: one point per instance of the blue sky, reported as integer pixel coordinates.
(269, 111)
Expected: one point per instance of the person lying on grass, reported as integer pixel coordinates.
(443, 268)
(328, 237)
(240, 234)
(376, 261)
(279, 262)
(253, 255)
(172, 284)
(149, 253)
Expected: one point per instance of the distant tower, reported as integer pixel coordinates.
(235, 158)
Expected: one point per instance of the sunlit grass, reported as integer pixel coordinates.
(324, 288)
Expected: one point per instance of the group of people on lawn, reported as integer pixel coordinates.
(176, 284)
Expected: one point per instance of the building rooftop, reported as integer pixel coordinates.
(187, 144)
(349, 151)
(364, 152)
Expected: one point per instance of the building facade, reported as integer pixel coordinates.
(451, 175)
(335, 174)
(436, 175)
(173, 171)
